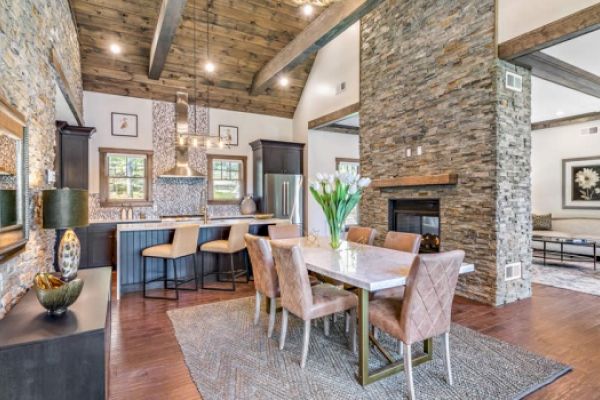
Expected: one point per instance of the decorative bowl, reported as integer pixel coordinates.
(263, 216)
(54, 294)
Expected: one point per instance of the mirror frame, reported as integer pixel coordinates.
(13, 124)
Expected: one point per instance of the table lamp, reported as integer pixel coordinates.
(66, 209)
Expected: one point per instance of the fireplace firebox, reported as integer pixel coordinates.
(420, 216)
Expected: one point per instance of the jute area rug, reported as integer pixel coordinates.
(230, 358)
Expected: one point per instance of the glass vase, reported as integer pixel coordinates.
(335, 235)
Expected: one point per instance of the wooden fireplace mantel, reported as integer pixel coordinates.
(416, 180)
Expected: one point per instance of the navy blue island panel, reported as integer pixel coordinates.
(132, 243)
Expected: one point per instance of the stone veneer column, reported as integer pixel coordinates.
(29, 29)
(430, 77)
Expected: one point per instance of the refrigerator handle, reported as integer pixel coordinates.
(286, 194)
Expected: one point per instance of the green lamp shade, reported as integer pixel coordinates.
(65, 208)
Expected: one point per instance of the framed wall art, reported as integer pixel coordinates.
(581, 183)
(228, 135)
(124, 124)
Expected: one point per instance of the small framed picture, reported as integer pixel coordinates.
(581, 183)
(228, 135)
(124, 124)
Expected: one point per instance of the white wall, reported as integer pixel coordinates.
(251, 127)
(516, 17)
(323, 149)
(98, 107)
(337, 62)
(549, 148)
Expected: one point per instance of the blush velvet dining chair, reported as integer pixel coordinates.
(284, 231)
(361, 234)
(425, 310)
(304, 301)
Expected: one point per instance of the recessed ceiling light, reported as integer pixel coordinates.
(209, 67)
(307, 10)
(115, 48)
(560, 113)
(283, 81)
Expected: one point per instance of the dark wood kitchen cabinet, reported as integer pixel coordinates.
(98, 245)
(72, 155)
(274, 157)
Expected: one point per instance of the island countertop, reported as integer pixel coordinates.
(149, 226)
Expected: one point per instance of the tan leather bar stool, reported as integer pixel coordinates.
(185, 244)
(234, 244)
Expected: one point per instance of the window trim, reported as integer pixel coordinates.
(209, 160)
(104, 200)
(339, 160)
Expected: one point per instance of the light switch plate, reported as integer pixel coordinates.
(408, 152)
(419, 150)
(50, 177)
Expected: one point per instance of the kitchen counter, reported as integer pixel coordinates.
(133, 238)
(123, 221)
(124, 227)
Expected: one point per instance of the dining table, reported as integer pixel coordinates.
(368, 269)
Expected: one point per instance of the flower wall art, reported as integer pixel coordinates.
(581, 183)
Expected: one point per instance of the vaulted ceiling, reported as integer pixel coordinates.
(243, 36)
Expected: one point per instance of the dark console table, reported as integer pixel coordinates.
(44, 357)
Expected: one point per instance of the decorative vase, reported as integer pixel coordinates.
(335, 234)
(248, 206)
(54, 294)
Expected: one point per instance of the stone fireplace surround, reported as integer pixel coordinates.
(448, 96)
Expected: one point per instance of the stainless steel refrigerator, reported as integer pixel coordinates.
(283, 196)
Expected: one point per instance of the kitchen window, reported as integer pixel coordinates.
(226, 179)
(350, 165)
(125, 177)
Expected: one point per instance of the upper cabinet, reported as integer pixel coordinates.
(72, 155)
(274, 157)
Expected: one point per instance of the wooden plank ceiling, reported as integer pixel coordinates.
(244, 36)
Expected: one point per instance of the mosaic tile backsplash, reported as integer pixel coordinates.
(171, 196)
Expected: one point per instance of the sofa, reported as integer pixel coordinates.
(571, 228)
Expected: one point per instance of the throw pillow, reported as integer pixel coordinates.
(542, 222)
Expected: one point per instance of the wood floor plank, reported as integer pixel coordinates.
(146, 361)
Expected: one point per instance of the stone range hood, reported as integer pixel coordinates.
(182, 167)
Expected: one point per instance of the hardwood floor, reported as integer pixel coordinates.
(146, 362)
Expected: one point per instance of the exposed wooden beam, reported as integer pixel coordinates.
(556, 71)
(334, 116)
(329, 24)
(64, 87)
(571, 120)
(168, 21)
(569, 27)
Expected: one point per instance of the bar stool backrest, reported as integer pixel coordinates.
(185, 241)
(236, 242)
(288, 231)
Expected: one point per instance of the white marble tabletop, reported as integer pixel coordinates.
(367, 267)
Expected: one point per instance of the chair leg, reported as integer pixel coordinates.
(408, 369)
(305, 343)
(202, 270)
(284, 323)
(176, 281)
(326, 321)
(232, 267)
(447, 358)
(165, 268)
(352, 320)
(195, 256)
(145, 265)
(272, 312)
(257, 308)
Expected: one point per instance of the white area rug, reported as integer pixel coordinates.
(576, 276)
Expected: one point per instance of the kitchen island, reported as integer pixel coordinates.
(132, 239)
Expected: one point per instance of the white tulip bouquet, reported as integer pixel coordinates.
(338, 194)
